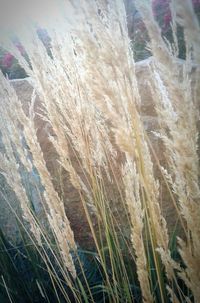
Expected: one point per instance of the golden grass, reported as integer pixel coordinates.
(88, 88)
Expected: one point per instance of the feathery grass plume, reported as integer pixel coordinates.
(158, 46)
(178, 114)
(67, 109)
(57, 217)
(179, 134)
(185, 16)
(11, 136)
(134, 204)
(89, 91)
(107, 85)
(118, 99)
(72, 115)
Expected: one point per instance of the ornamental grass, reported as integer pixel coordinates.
(89, 98)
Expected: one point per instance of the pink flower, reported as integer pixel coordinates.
(7, 60)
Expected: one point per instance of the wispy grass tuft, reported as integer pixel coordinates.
(90, 100)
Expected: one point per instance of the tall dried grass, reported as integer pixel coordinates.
(88, 88)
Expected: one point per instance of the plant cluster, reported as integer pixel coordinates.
(90, 99)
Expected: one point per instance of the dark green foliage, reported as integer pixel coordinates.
(28, 281)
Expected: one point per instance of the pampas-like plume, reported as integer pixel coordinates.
(11, 137)
(177, 109)
(134, 204)
(89, 91)
(57, 217)
(179, 134)
(75, 87)
(158, 46)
